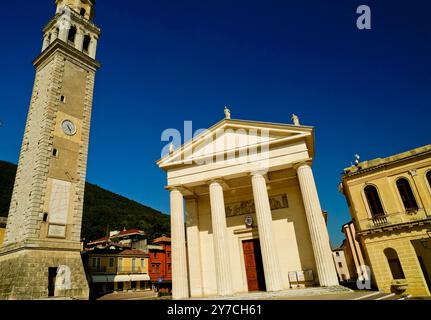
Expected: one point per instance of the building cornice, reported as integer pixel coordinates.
(75, 18)
(384, 165)
(60, 46)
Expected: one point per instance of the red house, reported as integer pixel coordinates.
(160, 264)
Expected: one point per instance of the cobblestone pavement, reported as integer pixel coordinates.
(132, 296)
(300, 294)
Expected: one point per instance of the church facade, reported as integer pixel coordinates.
(246, 191)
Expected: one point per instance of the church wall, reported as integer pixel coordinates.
(292, 238)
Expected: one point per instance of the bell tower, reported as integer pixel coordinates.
(41, 255)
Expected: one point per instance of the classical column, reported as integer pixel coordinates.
(194, 247)
(221, 246)
(180, 283)
(316, 223)
(271, 265)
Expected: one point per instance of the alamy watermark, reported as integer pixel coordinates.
(364, 278)
(225, 145)
(364, 20)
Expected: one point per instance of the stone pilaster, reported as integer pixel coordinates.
(271, 265)
(79, 41)
(93, 47)
(63, 34)
(221, 248)
(316, 223)
(46, 41)
(180, 282)
(54, 35)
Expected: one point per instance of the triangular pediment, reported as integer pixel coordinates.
(230, 136)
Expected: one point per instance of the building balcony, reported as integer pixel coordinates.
(393, 219)
(99, 269)
(130, 270)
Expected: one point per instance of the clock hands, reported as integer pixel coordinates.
(69, 128)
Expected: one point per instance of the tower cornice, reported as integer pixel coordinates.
(91, 26)
(59, 45)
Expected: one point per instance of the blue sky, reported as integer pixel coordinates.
(165, 62)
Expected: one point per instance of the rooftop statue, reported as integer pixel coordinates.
(295, 120)
(227, 112)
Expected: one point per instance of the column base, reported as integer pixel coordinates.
(24, 275)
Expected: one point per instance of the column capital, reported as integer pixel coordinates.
(178, 188)
(217, 180)
(193, 197)
(305, 163)
(259, 173)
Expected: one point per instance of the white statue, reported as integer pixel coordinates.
(357, 159)
(63, 279)
(227, 112)
(295, 120)
(171, 148)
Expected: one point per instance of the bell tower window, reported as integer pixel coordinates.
(72, 34)
(86, 45)
(82, 12)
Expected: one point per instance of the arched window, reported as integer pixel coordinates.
(406, 194)
(374, 202)
(429, 177)
(82, 12)
(72, 34)
(394, 264)
(86, 45)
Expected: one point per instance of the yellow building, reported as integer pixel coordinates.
(390, 203)
(3, 222)
(117, 269)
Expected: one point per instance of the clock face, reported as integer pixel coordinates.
(69, 127)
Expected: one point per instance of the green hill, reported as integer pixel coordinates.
(103, 209)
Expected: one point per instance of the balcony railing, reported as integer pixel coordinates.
(128, 270)
(99, 269)
(393, 219)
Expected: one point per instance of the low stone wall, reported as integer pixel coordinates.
(24, 275)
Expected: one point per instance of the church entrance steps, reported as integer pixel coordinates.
(137, 295)
(285, 293)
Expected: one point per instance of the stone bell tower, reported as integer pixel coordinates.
(41, 253)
